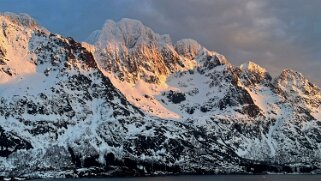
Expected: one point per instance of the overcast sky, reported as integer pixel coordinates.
(276, 34)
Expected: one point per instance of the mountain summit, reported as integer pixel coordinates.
(133, 51)
(131, 102)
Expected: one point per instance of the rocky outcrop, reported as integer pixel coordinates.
(10, 143)
(254, 74)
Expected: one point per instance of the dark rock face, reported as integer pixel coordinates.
(7, 71)
(2, 59)
(213, 61)
(175, 97)
(239, 96)
(255, 78)
(10, 143)
(2, 62)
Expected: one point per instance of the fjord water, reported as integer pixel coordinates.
(209, 178)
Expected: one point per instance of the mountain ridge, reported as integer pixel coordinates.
(188, 55)
(133, 103)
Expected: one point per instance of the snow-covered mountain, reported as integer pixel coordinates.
(132, 102)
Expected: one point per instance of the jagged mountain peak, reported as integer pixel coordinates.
(16, 30)
(128, 33)
(253, 73)
(188, 48)
(293, 81)
(291, 75)
(19, 19)
(133, 51)
(252, 67)
(292, 78)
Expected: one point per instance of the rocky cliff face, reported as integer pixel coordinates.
(134, 103)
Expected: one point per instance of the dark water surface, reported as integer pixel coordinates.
(208, 178)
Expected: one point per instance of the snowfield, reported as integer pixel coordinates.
(131, 102)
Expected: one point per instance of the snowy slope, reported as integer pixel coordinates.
(131, 102)
(266, 113)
